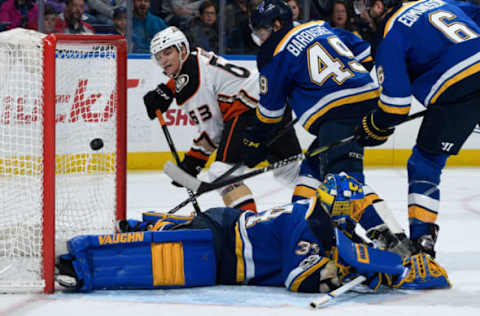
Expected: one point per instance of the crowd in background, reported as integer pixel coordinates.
(199, 19)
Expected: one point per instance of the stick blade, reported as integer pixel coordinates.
(180, 176)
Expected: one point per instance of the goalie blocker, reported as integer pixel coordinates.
(294, 246)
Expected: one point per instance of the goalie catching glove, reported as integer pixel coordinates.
(369, 133)
(158, 99)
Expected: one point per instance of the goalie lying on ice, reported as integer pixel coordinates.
(296, 246)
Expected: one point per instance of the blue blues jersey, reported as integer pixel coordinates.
(278, 247)
(310, 66)
(427, 47)
(471, 9)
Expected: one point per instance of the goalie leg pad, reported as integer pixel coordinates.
(422, 272)
(143, 260)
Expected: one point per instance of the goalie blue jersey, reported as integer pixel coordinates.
(312, 68)
(278, 246)
(427, 47)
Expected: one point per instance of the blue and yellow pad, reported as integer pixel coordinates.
(422, 272)
(365, 259)
(144, 260)
(165, 221)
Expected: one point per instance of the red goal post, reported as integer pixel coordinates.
(57, 93)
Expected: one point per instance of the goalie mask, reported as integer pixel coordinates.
(171, 36)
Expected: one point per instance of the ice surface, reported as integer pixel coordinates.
(457, 246)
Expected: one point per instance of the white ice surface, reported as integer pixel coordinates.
(458, 252)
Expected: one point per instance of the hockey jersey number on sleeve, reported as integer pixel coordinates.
(235, 70)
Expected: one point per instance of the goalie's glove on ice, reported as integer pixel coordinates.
(421, 272)
(192, 166)
(369, 133)
(158, 99)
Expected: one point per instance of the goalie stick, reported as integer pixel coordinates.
(324, 299)
(174, 152)
(200, 187)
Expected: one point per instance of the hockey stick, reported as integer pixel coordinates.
(200, 187)
(353, 137)
(324, 299)
(174, 152)
(270, 143)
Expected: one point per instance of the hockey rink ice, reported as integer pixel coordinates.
(458, 250)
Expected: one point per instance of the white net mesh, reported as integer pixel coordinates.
(85, 194)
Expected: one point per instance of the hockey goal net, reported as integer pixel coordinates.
(57, 93)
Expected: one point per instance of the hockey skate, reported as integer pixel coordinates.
(426, 243)
(384, 239)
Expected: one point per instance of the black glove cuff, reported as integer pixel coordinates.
(372, 129)
(192, 165)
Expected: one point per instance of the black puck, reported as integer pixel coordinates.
(96, 144)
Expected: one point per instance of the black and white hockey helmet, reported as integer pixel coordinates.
(171, 36)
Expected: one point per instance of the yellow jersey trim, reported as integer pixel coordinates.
(267, 120)
(290, 33)
(347, 100)
(239, 255)
(458, 77)
(298, 281)
(392, 19)
(394, 109)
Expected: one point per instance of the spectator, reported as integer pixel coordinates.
(145, 26)
(19, 13)
(320, 9)
(340, 16)
(70, 22)
(50, 21)
(363, 22)
(103, 9)
(120, 21)
(239, 39)
(180, 13)
(293, 4)
(204, 32)
(59, 6)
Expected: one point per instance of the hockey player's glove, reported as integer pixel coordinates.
(158, 99)
(192, 166)
(370, 134)
(253, 152)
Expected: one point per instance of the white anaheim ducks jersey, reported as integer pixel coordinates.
(212, 91)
